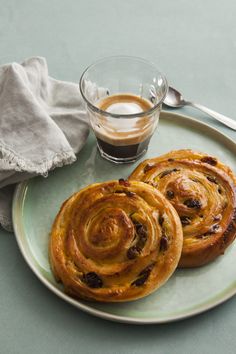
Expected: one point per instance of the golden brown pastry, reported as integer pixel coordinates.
(115, 241)
(202, 190)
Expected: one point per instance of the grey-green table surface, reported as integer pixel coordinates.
(194, 43)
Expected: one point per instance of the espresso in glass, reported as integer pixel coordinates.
(124, 138)
(123, 96)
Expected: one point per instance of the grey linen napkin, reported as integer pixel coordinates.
(42, 126)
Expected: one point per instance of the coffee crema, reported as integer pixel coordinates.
(124, 137)
(124, 104)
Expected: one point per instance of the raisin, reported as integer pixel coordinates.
(213, 229)
(141, 230)
(142, 234)
(140, 281)
(133, 252)
(141, 242)
(185, 220)
(170, 194)
(92, 280)
(234, 215)
(217, 217)
(164, 243)
(143, 276)
(171, 160)
(219, 190)
(229, 228)
(148, 168)
(137, 224)
(167, 172)
(193, 203)
(124, 182)
(160, 220)
(210, 160)
(227, 232)
(148, 269)
(212, 179)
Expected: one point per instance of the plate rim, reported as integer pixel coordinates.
(18, 200)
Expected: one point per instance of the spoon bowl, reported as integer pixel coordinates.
(174, 98)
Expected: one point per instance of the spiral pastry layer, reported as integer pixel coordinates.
(115, 241)
(202, 190)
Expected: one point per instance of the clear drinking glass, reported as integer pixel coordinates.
(123, 96)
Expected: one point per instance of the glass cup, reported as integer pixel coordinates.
(123, 96)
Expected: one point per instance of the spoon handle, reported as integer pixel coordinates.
(220, 117)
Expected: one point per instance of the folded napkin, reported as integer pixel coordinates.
(42, 126)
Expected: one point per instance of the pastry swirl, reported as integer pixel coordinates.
(202, 190)
(115, 241)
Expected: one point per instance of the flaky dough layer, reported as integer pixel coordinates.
(115, 241)
(202, 190)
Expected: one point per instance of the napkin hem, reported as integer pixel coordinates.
(14, 162)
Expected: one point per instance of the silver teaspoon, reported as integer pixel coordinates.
(175, 99)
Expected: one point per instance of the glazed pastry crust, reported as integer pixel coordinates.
(115, 241)
(202, 190)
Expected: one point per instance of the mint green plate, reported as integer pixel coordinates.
(189, 291)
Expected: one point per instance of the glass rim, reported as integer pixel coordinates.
(116, 115)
